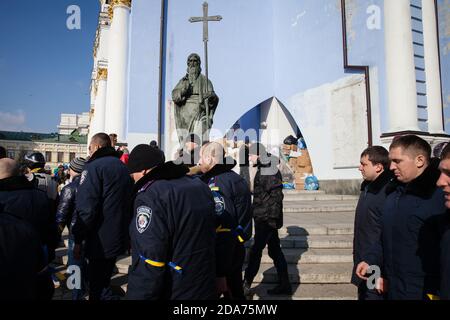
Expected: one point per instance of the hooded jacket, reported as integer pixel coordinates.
(268, 192)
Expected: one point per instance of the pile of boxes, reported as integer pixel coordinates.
(299, 162)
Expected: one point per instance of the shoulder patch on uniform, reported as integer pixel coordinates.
(219, 202)
(143, 218)
(83, 177)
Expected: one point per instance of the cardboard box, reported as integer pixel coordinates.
(304, 171)
(299, 186)
(303, 161)
(292, 162)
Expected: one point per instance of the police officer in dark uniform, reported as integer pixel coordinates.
(172, 231)
(234, 215)
(102, 214)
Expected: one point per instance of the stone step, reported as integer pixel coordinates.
(293, 257)
(302, 192)
(318, 206)
(318, 197)
(304, 272)
(318, 241)
(300, 256)
(306, 291)
(287, 242)
(308, 273)
(316, 229)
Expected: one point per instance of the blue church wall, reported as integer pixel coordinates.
(263, 49)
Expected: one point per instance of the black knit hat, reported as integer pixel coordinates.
(77, 164)
(144, 157)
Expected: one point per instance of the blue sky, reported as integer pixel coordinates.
(45, 68)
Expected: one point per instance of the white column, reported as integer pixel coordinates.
(433, 78)
(400, 70)
(100, 100)
(116, 98)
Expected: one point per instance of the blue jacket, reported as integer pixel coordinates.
(21, 198)
(173, 225)
(368, 217)
(102, 205)
(410, 244)
(234, 199)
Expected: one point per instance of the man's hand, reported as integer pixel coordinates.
(361, 270)
(77, 252)
(381, 286)
(221, 286)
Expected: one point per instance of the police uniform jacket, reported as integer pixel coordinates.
(103, 205)
(172, 237)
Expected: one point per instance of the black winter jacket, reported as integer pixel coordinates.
(173, 225)
(21, 198)
(444, 228)
(21, 258)
(102, 205)
(410, 244)
(268, 193)
(368, 217)
(65, 213)
(235, 199)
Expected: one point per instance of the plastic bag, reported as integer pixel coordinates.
(290, 140)
(311, 183)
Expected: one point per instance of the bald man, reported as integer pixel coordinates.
(21, 198)
(8, 168)
(234, 217)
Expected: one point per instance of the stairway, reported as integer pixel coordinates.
(317, 240)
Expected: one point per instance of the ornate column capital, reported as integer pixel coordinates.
(115, 3)
(126, 3)
(102, 74)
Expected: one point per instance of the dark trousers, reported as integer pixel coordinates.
(45, 286)
(265, 235)
(99, 273)
(365, 293)
(234, 280)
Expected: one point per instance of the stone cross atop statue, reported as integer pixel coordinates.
(194, 96)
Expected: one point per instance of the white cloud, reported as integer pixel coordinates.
(12, 121)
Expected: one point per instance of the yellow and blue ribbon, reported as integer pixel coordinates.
(159, 264)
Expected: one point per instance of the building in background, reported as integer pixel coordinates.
(57, 148)
(71, 122)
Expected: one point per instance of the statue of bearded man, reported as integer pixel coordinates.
(190, 96)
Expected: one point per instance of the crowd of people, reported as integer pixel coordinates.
(185, 229)
(185, 222)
